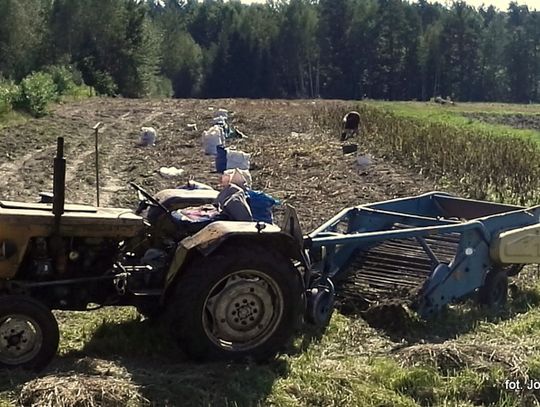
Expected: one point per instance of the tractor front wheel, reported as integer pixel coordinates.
(28, 333)
(239, 302)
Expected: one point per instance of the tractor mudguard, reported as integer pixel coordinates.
(218, 233)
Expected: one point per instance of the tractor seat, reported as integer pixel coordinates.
(174, 199)
(182, 198)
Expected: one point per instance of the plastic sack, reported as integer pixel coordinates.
(221, 113)
(148, 136)
(364, 160)
(212, 138)
(226, 128)
(238, 159)
(195, 214)
(242, 178)
(219, 120)
(261, 206)
(170, 172)
(228, 159)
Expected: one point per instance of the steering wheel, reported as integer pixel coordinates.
(149, 197)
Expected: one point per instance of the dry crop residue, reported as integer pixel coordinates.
(292, 158)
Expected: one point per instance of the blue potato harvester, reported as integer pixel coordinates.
(434, 248)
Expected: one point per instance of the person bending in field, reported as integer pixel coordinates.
(351, 122)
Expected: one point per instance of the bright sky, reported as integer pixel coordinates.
(500, 4)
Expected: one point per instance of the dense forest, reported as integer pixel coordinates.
(382, 49)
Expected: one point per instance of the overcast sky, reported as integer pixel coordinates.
(500, 4)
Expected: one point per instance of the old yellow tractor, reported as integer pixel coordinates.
(73, 257)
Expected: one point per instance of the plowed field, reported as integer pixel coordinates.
(292, 158)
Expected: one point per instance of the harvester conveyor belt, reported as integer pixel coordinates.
(397, 266)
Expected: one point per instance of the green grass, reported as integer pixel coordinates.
(13, 118)
(454, 115)
(78, 93)
(350, 364)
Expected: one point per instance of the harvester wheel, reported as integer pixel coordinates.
(237, 303)
(28, 333)
(320, 305)
(494, 292)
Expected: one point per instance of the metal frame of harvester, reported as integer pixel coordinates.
(442, 247)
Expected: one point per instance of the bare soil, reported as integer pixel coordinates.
(293, 159)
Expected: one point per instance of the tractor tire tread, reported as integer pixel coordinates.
(188, 296)
(19, 304)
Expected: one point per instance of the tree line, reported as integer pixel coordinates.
(346, 49)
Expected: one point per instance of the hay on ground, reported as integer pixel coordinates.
(452, 356)
(80, 390)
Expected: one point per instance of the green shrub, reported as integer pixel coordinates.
(76, 76)
(81, 92)
(161, 87)
(105, 84)
(62, 77)
(100, 80)
(37, 90)
(69, 81)
(9, 93)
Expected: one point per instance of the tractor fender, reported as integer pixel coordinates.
(216, 234)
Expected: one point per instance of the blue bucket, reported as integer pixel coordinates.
(221, 159)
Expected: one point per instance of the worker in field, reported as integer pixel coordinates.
(351, 122)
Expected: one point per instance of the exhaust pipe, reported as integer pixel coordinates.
(59, 183)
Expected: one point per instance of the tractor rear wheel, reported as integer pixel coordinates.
(237, 303)
(28, 333)
(494, 292)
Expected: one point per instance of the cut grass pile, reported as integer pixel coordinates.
(81, 390)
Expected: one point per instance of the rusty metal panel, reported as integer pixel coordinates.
(217, 230)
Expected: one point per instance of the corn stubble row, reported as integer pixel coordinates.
(479, 165)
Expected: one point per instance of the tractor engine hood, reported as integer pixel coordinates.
(77, 220)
